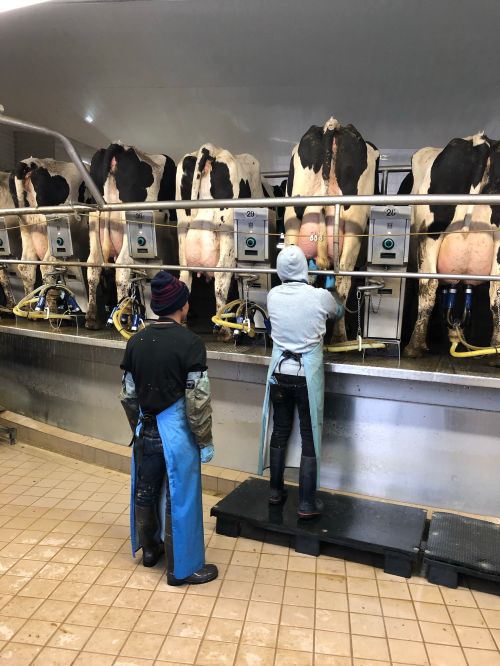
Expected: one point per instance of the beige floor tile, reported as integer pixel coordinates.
(130, 598)
(246, 559)
(475, 637)
(332, 642)
(39, 588)
(486, 601)
(228, 631)
(97, 558)
(194, 605)
(331, 620)
(101, 595)
(374, 662)
(120, 618)
(142, 645)
(234, 589)
(298, 596)
(432, 612)
(359, 570)
(93, 659)
(259, 611)
(12, 584)
(427, 593)
(216, 653)
(53, 611)
(236, 572)
(270, 593)
(258, 633)
(408, 652)
(368, 647)
(165, 602)
(445, 655)
(393, 590)
(295, 638)
(434, 632)
(134, 661)
(71, 636)
(407, 630)
(331, 583)
(69, 555)
(292, 658)
(42, 553)
(400, 608)
(84, 574)
(492, 618)
(332, 660)
(232, 609)
(9, 626)
(110, 576)
(274, 561)
(17, 654)
(188, 626)
(35, 632)
(87, 615)
(293, 579)
(55, 571)
(210, 589)
(154, 622)
(142, 579)
(106, 641)
(26, 568)
(496, 636)
(482, 657)
(467, 617)
(252, 655)
(330, 565)
(360, 604)
(21, 607)
(304, 564)
(179, 650)
(364, 586)
(241, 543)
(54, 657)
(70, 591)
(297, 616)
(367, 625)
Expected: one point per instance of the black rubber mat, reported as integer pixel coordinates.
(461, 545)
(391, 530)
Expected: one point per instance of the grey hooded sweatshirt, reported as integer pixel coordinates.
(297, 310)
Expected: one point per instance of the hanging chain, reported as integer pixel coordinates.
(498, 306)
(359, 296)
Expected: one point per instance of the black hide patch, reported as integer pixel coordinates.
(351, 160)
(220, 182)
(133, 176)
(98, 172)
(452, 172)
(167, 186)
(498, 256)
(406, 184)
(493, 184)
(244, 191)
(12, 189)
(376, 185)
(289, 181)
(188, 166)
(311, 149)
(49, 190)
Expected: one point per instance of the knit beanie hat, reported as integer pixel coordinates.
(168, 294)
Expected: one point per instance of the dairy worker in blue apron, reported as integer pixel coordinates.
(167, 391)
(295, 381)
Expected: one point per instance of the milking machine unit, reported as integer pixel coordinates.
(388, 250)
(10, 240)
(63, 296)
(253, 249)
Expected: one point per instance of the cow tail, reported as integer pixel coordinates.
(328, 154)
(201, 160)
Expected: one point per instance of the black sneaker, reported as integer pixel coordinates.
(204, 575)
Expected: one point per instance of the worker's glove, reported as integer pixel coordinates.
(207, 453)
(330, 282)
(312, 267)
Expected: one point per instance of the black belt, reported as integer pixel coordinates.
(289, 356)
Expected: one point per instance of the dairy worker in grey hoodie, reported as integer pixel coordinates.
(298, 314)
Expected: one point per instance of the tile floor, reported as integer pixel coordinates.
(70, 592)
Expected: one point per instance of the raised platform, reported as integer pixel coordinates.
(390, 530)
(462, 545)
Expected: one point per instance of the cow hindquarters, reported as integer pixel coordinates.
(427, 288)
(495, 300)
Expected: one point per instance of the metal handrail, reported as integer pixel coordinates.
(357, 200)
(258, 271)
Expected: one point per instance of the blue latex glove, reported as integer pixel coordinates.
(207, 453)
(329, 282)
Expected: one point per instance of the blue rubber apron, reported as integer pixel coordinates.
(182, 460)
(315, 378)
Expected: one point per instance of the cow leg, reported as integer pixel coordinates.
(428, 256)
(222, 281)
(27, 272)
(94, 274)
(45, 270)
(348, 258)
(7, 290)
(185, 276)
(322, 261)
(123, 276)
(495, 300)
(292, 227)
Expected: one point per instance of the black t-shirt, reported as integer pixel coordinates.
(160, 358)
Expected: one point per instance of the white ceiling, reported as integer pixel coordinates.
(253, 75)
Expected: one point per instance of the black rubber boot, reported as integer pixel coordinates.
(309, 505)
(146, 520)
(204, 575)
(277, 493)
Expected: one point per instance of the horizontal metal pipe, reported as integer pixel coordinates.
(256, 271)
(70, 149)
(360, 200)
(382, 168)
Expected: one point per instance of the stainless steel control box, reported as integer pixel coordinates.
(384, 309)
(59, 236)
(389, 239)
(251, 234)
(4, 239)
(141, 232)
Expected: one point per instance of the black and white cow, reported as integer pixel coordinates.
(329, 161)
(13, 222)
(125, 174)
(46, 182)
(206, 235)
(465, 166)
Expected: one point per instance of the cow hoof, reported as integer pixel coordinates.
(322, 264)
(224, 335)
(413, 352)
(92, 325)
(494, 361)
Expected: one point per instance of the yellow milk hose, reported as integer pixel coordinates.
(125, 307)
(456, 338)
(31, 299)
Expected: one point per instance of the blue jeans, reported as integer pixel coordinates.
(150, 461)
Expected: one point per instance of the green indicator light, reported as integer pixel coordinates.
(251, 242)
(141, 241)
(388, 244)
